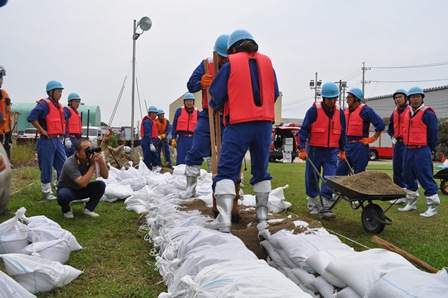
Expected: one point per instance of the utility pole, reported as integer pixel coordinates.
(364, 68)
(315, 84)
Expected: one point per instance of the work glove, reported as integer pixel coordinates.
(67, 143)
(394, 141)
(206, 80)
(174, 143)
(162, 136)
(302, 154)
(341, 156)
(367, 141)
(152, 148)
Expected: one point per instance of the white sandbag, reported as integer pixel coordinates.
(305, 278)
(321, 259)
(47, 233)
(53, 250)
(13, 238)
(9, 288)
(323, 287)
(116, 190)
(348, 292)
(275, 257)
(40, 220)
(361, 270)
(38, 274)
(241, 279)
(277, 202)
(411, 283)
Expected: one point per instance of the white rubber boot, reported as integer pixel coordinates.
(325, 211)
(262, 190)
(47, 192)
(412, 202)
(400, 200)
(224, 194)
(313, 205)
(192, 173)
(432, 202)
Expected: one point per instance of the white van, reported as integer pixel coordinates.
(94, 134)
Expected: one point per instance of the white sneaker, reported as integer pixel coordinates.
(50, 196)
(69, 215)
(90, 213)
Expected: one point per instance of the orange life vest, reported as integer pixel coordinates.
(161, 126)
(399, 123)
(241, 106)
(186, 121)
(354, 121)
(154, 132)
(211, 71)
(56, 118)
(74, 124)
(5, 125)
(326, 132)
(416, 131)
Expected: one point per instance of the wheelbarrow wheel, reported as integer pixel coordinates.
(444, 187)
(373, 219)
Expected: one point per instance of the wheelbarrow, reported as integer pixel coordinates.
(443, 176)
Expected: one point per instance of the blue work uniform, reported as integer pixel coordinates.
(357, 153)
(149, 158)
(322, 157)
(398, 152)
(50, 151)
(238, 138)
(163, 144)
(184, 138)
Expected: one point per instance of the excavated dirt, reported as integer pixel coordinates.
(247, 230)
(370, 183)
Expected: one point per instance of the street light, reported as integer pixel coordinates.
(145, 24)
(316, 86)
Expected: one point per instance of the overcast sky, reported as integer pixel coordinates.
(87, 46)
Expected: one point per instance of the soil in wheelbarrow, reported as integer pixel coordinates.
(370, 183)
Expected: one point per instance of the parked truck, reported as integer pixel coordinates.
(382, 147)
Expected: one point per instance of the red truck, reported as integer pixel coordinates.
(381, 148)
(284, 139)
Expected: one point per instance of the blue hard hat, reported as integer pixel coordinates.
(221, 45)
(188, 96)
(73, 96)
(238, 35)
(152, 109)
(356, 92)
(416, 90)
(400, 91)
(160, 112)
(51, 85)
(330, 90)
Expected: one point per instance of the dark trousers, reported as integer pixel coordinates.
(94, 191)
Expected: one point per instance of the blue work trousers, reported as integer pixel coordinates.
(184, 143)
(236, 140)
(358, 156)
(94, 191)
(149, 158)
(418, 165)
(163, 144)
(50, 153)
(322, 158)
(397, 164)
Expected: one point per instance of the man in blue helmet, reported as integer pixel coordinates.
(396, 132)
(5, 116)
(201, 147)
(358, 117)
(49, 119)
(324, 130)
(164, 129)
(149, 135)
(74, 123)
(420, 138)
(246, 88)
(184, 122)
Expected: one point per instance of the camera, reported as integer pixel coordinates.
(90, 150)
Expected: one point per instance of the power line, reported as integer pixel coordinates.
(415, 81)
(413, 66)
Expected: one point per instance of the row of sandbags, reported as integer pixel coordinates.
(34, 251)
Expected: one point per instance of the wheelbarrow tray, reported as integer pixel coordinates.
(353, 195)
(442, 174)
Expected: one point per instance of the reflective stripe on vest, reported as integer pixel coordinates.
(326, 132)
(354, 122)
(55, 119)
(399, 123)
(186, 121)
(211, 71)
(74, 122)
(416, 131)
(241, 105)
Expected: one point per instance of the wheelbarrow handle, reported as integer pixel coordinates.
(350, 169)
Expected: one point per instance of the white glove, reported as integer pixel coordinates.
(394, 140)
(68, 143)
(152, 148)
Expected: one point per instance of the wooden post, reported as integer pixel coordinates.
(216, 113)
(212, 126)
(383, 243)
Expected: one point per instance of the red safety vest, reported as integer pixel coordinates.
(5, 125)
(211, 71)
(354, 121)
(241, 106)
(186, 121)
(326, 132)
(399, 123)
(161, 126)
(416, 131)
(154, 131)
(56, 118)
(74, 124)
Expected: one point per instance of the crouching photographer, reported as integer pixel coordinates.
(74, 183)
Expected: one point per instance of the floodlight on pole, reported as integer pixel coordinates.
(144, 24)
